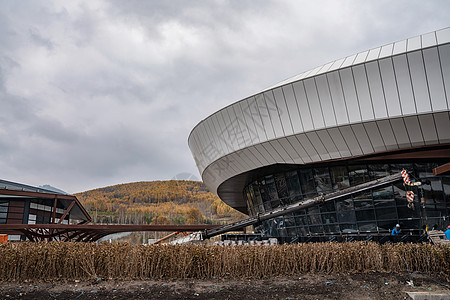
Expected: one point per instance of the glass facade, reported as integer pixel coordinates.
(374, 211)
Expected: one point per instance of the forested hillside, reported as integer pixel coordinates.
(157, 202)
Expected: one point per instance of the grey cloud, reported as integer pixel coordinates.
(94, 93)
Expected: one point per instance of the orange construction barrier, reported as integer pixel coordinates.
(3, 238)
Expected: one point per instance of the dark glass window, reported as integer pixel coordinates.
(365, 215)
(332, 228)
(314, 219)
(423, 170)
(446, 186)
(329, 218)
(358, 174)
(339, 177)
(327, 207)
(293, 186)
(348, 227)
(386, 213)
(280, 183)
(322, 179)
(316, 229)
(383, 197)
(307, 182)
(386, 226)
(367, 226)
(3, 211)
(399, 193)
(345, 211)
(258, 199)
(301, 221)
(397, 168)
(376, 210)
(363, 200)
(378, 170)
(271, 188)
(263, 190)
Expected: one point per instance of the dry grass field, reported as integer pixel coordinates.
(90, 261)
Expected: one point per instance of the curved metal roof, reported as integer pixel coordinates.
(392, 97)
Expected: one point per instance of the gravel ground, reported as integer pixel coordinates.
(350, 286)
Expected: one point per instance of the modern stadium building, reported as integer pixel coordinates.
(344, 123)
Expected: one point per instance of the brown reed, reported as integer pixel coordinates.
(86, 261)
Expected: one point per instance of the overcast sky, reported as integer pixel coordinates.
(95, 93)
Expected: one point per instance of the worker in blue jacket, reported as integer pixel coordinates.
(447, 232)
(396, 230)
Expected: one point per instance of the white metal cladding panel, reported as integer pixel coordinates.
(443, 35)
(268, 132)
(318, 145)
(399, 47)
(235, 130)
(376, 90)
(230, 129)
(328, 144)
(274, 113)
(303, 106)
(362, 91)
(200, 157)
(387, 134)
(252, 136)
(414, 82)
(336, 65)
(257, 120)
(325, 100)
(248, 162)
(434, 79)
(283, 112)
(390, 87)
(361, 57)
(223, 132)
(444, 54)
(414, 131)
(314, 103)
(264, 160)
(386, 51)
(350, 140)
(351, 100)
(374, 135)
(429, 39)
(404, 85)
(292, 108)
(215, 131)
(238, 124)
(299, 149)
(337, 96)
(215, 141)
(413, 43)
(240, 165)
(362, 138)
(269, 146)
(339, 141)
(401, 135)
(309, 148)
(294, 155)
(442, 121)
(285, 156)
(261, 149)
(428, 129)
(419, 81)
(373, 54)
